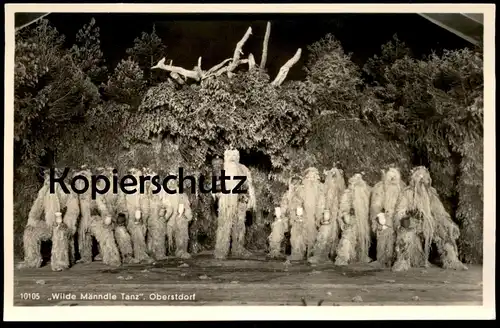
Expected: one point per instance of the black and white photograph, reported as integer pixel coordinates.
(268, 158)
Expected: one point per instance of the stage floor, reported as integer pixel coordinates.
(256, 281)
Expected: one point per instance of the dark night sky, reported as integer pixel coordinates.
(214, 37)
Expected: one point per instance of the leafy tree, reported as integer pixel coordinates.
(390, 52)
(36, 54)
(87, 52)
(51, 90)
(341, 133)
(126, 85)
(147, 51)
(335, 79)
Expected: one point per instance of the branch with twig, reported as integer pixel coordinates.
(285, 68)
(238, 51)
(218, 66)
(195, 75)
(180, 74)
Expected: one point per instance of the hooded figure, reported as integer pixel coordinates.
(354, 211)
(283, 215)
(138, 212)
(408, 249)
(117, 208)
(102, 228)
(60, 254)
(157, 225)
(232, 208)
(40, 226)
(176, 212)
(308, 204)
(385, 195)
(89, 207)
(420, 202)
(114, 199)
(329, 232)
(123, 240)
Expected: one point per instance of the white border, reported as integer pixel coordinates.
(167, 313)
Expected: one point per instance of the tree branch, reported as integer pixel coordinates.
(265, 45)
(218, 66)
(179, 70)
(238, 52)
(251, 62)
(176, 77)
(218, 70)
(285, 68)
(31, 22)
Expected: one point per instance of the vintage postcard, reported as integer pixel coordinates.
(249, 162)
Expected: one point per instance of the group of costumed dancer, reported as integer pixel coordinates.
(327, 221)
(333, 222)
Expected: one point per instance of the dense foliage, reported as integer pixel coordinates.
(435, 106)
(397, 110)
(245, 112)
(52, 90)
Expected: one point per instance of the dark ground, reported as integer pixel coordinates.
(251, 282)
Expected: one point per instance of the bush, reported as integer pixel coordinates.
(245, 112)
(356, 146)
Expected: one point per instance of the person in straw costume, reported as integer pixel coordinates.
(42, 217)
(60, 253)
(156, 225)
(309, 205)
(102, 228)
(408, 248)
(232, 209)
(420, 202)
(283, 215)
(385, 195)
(138, 212)
(329, 232)
(354, 212)
(117, 208)
(177, 213)
(89, 207)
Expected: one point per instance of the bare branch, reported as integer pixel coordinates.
(221, 70)
(251, 62)
(198, 71)
(179, 74)
(218, 66)
(179, 70)
(285, 68)
(177, 78)
(265, 45)
(31, 22)
(238, 51)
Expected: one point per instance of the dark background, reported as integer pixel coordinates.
(214, 36)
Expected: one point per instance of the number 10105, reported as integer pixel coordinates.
(30, 296)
